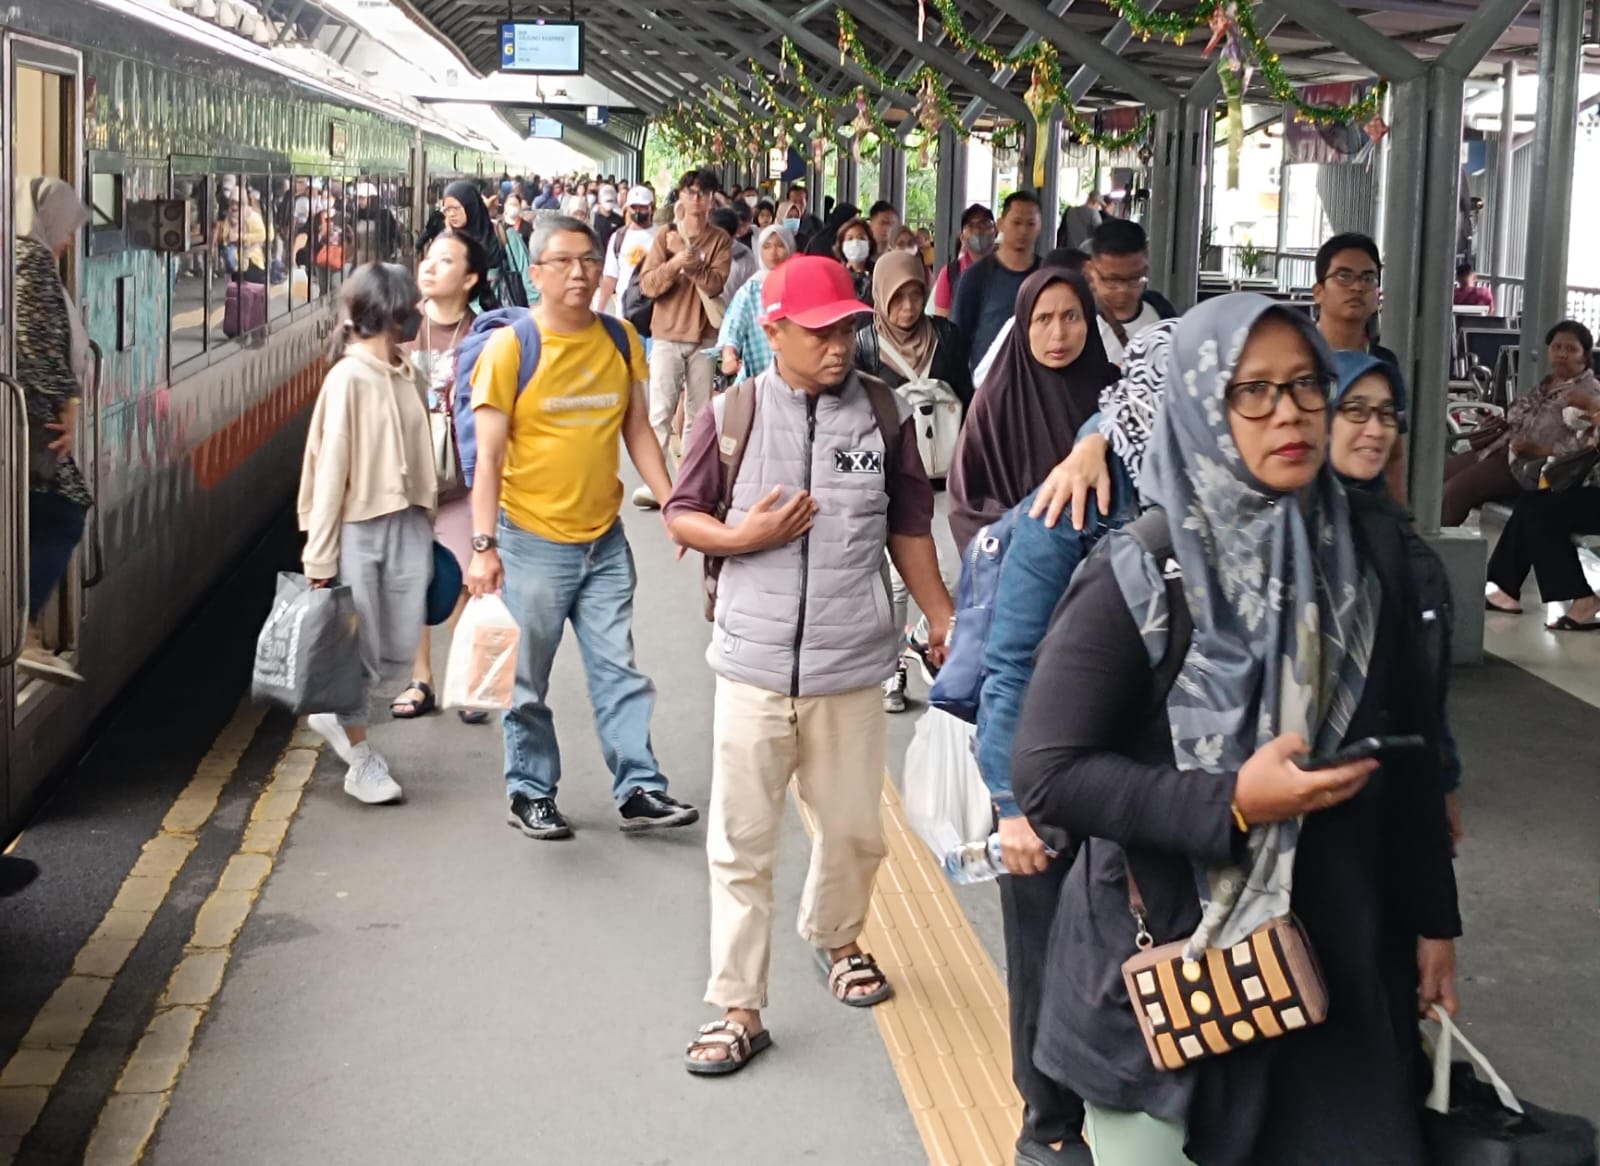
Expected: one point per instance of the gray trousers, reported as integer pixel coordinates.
(387, 562)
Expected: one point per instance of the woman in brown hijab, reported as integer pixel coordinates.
(1028, 411)
(898, 345)
(900, 335)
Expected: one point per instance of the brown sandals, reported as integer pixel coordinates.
(854, 971)
(731, 1036)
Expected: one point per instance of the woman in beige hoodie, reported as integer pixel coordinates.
(367, 497)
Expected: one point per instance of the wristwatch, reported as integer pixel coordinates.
(484, 542)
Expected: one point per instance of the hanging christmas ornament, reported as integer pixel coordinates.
(1376, 128)
(844, 42)
(1221, 22)
(716, 145)
(1041, 98)
(1146, 154)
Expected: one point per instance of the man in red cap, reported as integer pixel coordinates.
(825, 476)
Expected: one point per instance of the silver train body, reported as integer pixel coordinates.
(191, 432)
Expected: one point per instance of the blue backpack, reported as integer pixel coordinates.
(959, 682)
(521, 322)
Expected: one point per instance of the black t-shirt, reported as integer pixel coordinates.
(605, 225)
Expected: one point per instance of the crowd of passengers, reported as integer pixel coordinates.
(1210, 576)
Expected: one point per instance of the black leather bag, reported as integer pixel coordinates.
(1472, 1122)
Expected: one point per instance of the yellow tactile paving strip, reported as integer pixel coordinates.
(945, 1026)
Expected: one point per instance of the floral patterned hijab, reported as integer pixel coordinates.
(1284, 616)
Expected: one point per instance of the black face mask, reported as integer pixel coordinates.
(643, 218)
(410, 326)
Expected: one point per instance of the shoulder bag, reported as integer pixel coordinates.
(1265, 986)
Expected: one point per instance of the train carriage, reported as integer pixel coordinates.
(230, 192)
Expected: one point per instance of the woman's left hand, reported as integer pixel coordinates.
(1436, 975)
(1086, 469)
(66, 424)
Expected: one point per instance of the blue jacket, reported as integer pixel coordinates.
(1038, 565)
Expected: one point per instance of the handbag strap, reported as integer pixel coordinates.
(896, 358)
(1439, 1094)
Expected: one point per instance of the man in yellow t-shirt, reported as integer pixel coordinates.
(545, 501)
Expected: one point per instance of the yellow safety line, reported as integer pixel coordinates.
(137, 1103)
(34, 1069)
(946, 1026)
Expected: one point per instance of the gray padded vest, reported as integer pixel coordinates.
(814, 617)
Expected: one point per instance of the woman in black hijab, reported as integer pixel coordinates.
(1027, 413)
(464, 211)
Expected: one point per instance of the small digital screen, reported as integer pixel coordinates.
(540, 47)
(597, 115)
(546, 127)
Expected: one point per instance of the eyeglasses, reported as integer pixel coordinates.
(1344, 277)
(582, 262)
(1125, 282)
(1359, 413)
(693, 192)
(1258, 400)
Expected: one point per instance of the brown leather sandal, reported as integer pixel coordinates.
(740, 1048)
(855, 971)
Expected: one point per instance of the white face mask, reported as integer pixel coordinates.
(750, 201)
(856, 250)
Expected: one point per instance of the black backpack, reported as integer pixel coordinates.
(637, 308)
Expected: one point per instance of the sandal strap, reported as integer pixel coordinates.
(854, 971)
(725, 1034)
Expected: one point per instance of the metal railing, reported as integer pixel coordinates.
(14, 518)
(1240, 265)
(1583, 303)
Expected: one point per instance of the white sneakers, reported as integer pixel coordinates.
(645, 500)
(894, 691)
(327, 726)
(367, 779)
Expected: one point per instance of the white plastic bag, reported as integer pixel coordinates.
(946, 802)
(482, 673)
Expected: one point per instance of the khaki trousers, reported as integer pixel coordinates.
(834, 747)
(677, 370)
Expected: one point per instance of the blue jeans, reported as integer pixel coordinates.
(591, 584)
(55, 528)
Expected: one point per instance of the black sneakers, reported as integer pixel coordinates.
(649, 809)
(537, 817)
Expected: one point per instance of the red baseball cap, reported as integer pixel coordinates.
(812, 290)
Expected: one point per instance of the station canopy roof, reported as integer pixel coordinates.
(659, 51)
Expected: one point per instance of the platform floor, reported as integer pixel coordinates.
(229, 961)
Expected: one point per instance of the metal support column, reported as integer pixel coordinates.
(950, 197)
(892, 176)
(1544, 293)
(1429, 374)
(1403, 223)
(849, 179)
(1050, 192)
(1504, 162)
(1193, 184)
(1170, 200)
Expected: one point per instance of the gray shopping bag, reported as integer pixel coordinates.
(308, 658)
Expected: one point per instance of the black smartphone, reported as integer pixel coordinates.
(1359, 750)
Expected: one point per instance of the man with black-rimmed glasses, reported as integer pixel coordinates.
(1349, 273)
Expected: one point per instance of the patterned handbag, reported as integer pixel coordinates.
(1264, 986)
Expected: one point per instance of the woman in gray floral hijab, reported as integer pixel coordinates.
(1302, 636)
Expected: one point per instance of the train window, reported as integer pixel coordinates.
(191, 274)
(228, 250)
(280, 231)
(105, 201)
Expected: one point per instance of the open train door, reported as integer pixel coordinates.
(41, 126)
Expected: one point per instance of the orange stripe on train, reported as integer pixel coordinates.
(219, 455)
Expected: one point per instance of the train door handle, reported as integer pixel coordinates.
(14, 420)
(89, 423)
